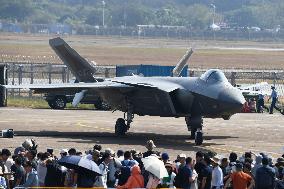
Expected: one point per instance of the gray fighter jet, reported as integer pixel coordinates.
(194, 98)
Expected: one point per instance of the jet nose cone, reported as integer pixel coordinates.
(232, 97)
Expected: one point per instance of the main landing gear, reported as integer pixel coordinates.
(194, 125)
(122, 125)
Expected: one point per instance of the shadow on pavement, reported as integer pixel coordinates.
(176, 142)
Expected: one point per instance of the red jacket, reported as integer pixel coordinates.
(136, 180)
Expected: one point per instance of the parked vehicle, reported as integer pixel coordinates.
(57, 100)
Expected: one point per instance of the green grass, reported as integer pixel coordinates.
(40, 103)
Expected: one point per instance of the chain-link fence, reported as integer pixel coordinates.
(35, 73)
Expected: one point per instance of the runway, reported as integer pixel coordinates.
(84, 128)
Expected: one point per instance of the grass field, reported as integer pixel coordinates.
(115, 50)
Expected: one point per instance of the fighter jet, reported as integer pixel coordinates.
(210, 95)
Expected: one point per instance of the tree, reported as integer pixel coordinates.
(198, 16)
(16, 10)
(168, 16)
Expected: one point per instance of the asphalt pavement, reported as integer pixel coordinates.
(84, 128)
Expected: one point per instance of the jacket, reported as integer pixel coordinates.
(136, 180)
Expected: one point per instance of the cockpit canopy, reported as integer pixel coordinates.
(213, 76)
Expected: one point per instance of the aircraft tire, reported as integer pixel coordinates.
(120, 127)
(198, 138)
(59, 102)
(51, 105)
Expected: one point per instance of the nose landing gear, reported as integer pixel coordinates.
(194, 125)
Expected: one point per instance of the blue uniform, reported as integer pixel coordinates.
(273, 96)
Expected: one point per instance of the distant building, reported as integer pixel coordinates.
(60, 29)
(11, 27)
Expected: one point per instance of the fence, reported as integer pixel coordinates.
(42, 73)
(36, 73)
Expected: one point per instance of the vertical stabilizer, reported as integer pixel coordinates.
(180, 65)
(80, 68)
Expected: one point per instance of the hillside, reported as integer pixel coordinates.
(196, 14)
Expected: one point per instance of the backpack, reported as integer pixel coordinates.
(125, 172)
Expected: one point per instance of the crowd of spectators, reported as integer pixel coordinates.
(124, 169)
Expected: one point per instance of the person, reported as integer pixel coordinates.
(8, 162)
(63, 153)
(150, 149)
(260, 104)
(247, 169)
(136, 180)
(41, 168)
(205, 175)
(19, 172)
(185, 175)
(31, 155)
(252, 105)
(153, 181)
(280, 182)
(274, 97)
(168, 182)
(3, 183)
(125, 170)
(72, 152)
(84, 180)
(165, 157)
(232, 158)
(258, 160)
(217, 174)
(31, 176)
(265, 176)
(240, 179)
(114, 167)
(223, 166)
(194, 184)
(120, 155)
(199, 165)
(54, 176)
(278, 165)
(101, 181)
(97, 147)
(182, 163)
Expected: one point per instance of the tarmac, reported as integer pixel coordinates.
(83, 128)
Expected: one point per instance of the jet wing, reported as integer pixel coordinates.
(157, 83)
(149, 96)
(114, 83)
(62, 86)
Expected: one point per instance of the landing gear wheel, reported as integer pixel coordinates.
(194, 125)
(120, 127)
(59, 102)
(51, 105)
(198, 138)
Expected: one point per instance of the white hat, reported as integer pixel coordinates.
(62, 151)
(182, 156)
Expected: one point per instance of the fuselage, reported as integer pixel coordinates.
(207, 96)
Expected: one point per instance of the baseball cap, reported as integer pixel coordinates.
(165, 156)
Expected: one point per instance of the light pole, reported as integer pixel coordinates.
(103, 3)
(214, 8)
